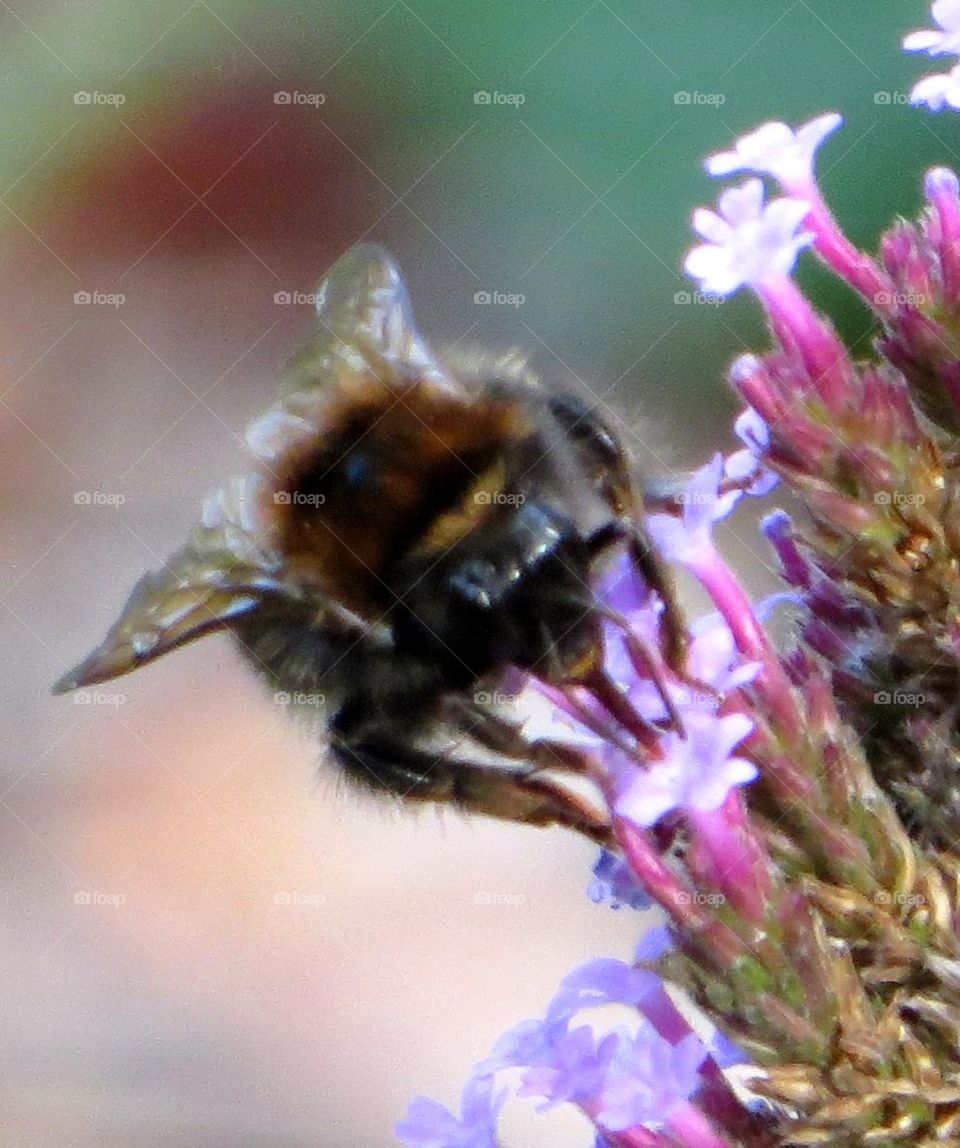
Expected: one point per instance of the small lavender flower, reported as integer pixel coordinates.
(787, 155)
(748, 241)
(777, 150)
(649, 1079)
(939, 91)
(653, 945)
(577, 1072)
(947, 14)
(430, 1125)
(688, 540)
(630, 1082)
(614, 881)
(622, 1080)
(745, 468)
(697, 771)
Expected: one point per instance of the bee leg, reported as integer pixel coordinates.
(655, 574)
(527, 797)
(379, 760)
(672, 626)
(647, 664)
(501, 736)
(663, 493)
(605, 460)
(591, 675)
(673, 623)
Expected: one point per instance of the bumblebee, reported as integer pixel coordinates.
(412, 534)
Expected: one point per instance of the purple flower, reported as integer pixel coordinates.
(713, 657)
(649, 1078)
(654, 944)
(697, 770)
(688, 540)
(776, 149)
(430, 1125)
(623, 1080)
(529, 1042)
(947, 14)
(747, 242)
(724, 1052)
(754, 433)
(600, 982)
(577, 1072)
(613, 881)
(941, 185)
(939, 91)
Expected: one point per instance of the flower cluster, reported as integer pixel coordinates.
(794, 813)
(941, 90)
(626, 1080)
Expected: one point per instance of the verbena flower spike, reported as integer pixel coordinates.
(798, 825)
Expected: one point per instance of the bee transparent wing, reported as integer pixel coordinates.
(225, 569)
(365, 324)
(201, 588)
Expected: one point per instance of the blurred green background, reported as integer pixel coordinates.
(578, 197)
(198, 164)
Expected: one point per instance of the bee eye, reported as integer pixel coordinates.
(357, 472)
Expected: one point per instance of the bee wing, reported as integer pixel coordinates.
(201, 588)
(225, 569)
(365, 325)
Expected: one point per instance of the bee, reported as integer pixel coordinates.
(412, 535)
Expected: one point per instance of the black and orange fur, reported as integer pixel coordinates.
(413, 533)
